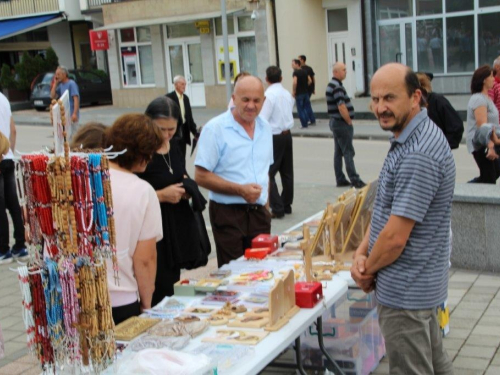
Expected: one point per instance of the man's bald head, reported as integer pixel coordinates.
(339, 71)
(248, 98)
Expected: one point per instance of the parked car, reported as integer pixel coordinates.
(93, 88)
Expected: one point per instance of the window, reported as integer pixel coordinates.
(337, 20)
(245, 23)
(488, 3)
(489, 37)
(230, 26)
(137, 56)
(459, 5)
(248, 55)
(181, 30)
(461, 44)
(425, 7)
(388, 9)
(430, 46)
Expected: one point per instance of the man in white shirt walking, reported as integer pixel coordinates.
(277, 110)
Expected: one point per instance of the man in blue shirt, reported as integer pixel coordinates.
(234, 155)
(63, 83)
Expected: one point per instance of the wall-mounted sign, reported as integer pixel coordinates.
(204, 30)
(99, 40)
(200, 24)
(221, 49)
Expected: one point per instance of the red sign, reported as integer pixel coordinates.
(99, 40)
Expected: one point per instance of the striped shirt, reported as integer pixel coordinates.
(416, 182)
(335, 96)
(494, 93)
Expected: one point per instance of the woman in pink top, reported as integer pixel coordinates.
(137, 215)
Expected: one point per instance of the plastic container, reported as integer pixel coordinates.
(351, 335)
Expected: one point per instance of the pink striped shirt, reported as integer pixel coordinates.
(494, 93)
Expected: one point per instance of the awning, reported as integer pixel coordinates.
(167, 20)
(12, 27)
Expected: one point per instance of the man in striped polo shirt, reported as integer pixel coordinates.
(341, 114)
(404, 255)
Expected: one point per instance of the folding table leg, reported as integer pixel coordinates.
(319, 328)
(298, 357)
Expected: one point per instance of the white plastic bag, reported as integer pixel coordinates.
(164, 362)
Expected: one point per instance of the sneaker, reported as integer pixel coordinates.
(20, 254)
(343, 184)
(359, 184)
(6, 258)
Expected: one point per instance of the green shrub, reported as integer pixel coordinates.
(51, 60)
(101, 73)
(6, 78)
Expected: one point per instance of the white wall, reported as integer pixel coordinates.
(72, 9)
(60, 41)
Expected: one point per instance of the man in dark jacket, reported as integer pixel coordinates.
(186, 124)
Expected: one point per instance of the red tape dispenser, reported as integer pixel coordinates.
(266, 240)
(308, 294)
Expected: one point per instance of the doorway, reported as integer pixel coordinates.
(396, 42)
(185, 59)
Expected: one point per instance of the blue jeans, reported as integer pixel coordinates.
(304, 109)
(343, 135)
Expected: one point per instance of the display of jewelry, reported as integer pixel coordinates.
(158, 342)
(133, 327)
(170, 328)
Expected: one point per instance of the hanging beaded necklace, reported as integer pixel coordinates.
(54, 308)
(71, 309)
(27, 312)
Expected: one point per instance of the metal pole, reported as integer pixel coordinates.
(227, 72)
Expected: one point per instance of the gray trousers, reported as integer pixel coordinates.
(413, 342)
(343, 135)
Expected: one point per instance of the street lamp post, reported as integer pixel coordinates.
(227, 71)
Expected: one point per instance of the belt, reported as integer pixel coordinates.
(284, 132)
(241, 206)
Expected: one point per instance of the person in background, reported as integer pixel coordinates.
(278, 111)
(166, 173)
(238, 76)
(89, 136)
(341, 112)
(234, 155)
(137, 214)
(482, 115)
(186, 125)
(494, 92)
(442, 112)
(310, 72)
(300, 92)
(8, 193)
(61, 84)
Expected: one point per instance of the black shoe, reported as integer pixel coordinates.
(343, 184)
(288, 210)
(359, 184)
(475, 180)
(277, 216)
(312, 124)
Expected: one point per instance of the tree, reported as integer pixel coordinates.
(27, 70)
(51, 60)
(6, 78)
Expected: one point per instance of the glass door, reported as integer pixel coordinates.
(185, 60)
(396, 43)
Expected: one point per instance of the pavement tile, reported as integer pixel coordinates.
(492, 311)
(464, 275)
(486, 330)
(11, 300)
(484, 289)
(13, 320)
(473, 297)
(16, 368)
(487, 320)
(462, 322)
(453, 344)
(470, 363)
(458, 333)
(12, 347)
(382, 369)
(460, 284)
(28, 359)
(496, 359)
(11, 334)
(456, 292)
(463, 313)
(488, 282)
(8, 311)
(495, 303)
(482, 340)
(478, 351)
(463, 371)
(474, 305)
(452, 353)
(493, 370)
(35, 370)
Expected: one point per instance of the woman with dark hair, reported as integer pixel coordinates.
(181, 244)
(482, 120)
(137, 215)
(89, 136)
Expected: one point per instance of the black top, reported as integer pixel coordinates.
(181, 239)
(184, 130)
(446, 118)
(301, 81)
(310, 73)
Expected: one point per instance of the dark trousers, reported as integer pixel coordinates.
(304, 109)
(122, 313)
(234, 226)
(164, 284)
(343, 135)
(489, 170)
(283, 163)
(9, 201)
